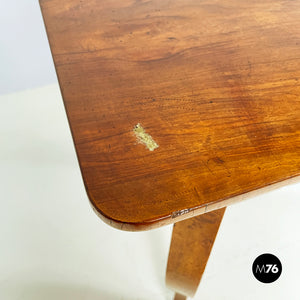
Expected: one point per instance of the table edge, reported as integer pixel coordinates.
(187, 213)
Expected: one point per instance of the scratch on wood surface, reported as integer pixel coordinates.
(180, 212)
(144, 138)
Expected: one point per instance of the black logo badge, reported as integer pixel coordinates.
(267, 268)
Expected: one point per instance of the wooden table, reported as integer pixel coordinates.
(178, 109)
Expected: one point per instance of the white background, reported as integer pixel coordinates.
(52, 245)
(25, 60)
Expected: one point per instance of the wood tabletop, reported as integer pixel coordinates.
(177, 106)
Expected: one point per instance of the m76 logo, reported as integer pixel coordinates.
(267, 268)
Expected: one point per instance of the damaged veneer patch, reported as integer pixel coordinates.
(144, 138)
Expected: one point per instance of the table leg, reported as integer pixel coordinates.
(179, 297)
(191, 244)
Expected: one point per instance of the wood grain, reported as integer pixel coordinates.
(214, 83)
(191, 244)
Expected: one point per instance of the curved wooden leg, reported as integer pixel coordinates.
(191, 244)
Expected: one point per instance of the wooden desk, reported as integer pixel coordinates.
(179, 108)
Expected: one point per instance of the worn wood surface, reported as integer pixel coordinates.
(191, 244)
(216, 84)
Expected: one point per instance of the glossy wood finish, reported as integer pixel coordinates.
(191, 244)
(215, 83)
